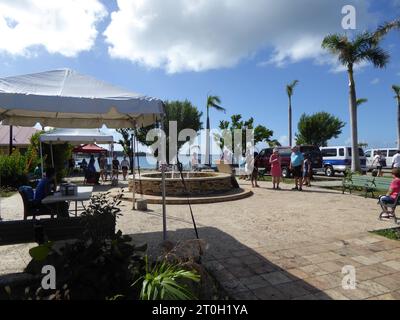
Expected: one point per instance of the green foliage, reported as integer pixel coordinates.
(95, 269)
(162, 282)
(393, 234)
(261, 133)
(125, 142)
(363, 47)
(318, 129)
(186, 115)
(13, 170)
(100, 214)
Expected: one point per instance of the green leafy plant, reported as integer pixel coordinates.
(162, 282)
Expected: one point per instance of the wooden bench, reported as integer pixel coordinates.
(365, 183)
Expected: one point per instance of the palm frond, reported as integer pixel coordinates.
(396, 90)
(385, 28)
(361, 101)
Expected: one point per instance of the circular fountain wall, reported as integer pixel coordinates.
(197, 183)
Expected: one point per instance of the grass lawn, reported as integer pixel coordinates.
(393, 234)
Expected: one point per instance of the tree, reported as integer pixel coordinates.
(261, 134)
(212, 102)
(290, 92)
(364, 47)
(184, 113)
(318, 129)
(396, 90)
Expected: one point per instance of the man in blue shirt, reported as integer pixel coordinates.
(296, 167)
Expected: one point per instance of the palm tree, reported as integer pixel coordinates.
(290, 91)
(364, 47)
(212, 102)
(396, 90)
(361, 101)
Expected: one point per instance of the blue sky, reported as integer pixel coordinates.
(246, 58)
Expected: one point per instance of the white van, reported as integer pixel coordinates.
(338, 159)
(387, 152)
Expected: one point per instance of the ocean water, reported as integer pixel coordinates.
(147, 162)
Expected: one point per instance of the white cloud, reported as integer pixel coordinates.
(284, 140)
(67, 27)
(375, 81)
(198, 35)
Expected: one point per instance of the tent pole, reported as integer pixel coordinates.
(52, 157)
(133, 178)
(133, 184)
(164, 207)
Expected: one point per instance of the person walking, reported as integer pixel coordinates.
(276, 169)
(296, 167)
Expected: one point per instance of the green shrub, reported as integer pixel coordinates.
(162, 282)
(13, 170)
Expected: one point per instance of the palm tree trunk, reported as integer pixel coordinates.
(208, 155)
(355, 156)
(290, 122)
(398, 123)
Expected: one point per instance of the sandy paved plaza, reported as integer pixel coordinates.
(273, 245)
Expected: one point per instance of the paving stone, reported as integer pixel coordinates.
(233, 287)
(292, 263)
(356, 294)
(372, 287)
(262, 268)
(394, 264)
(334, 294)
(325, 282)
(269, 293)
(241, 253)
(387, 296)
(245, 295)
(297, 273)
(252, 259)
(367, 273)
(307, 297)
(391, 282)
(292, 290)
(313, 271)
(368, 260)
(331, 266)
(275, 278)
(286, 254)
(255, 282)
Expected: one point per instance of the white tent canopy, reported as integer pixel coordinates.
(66, 99)
(76, 137)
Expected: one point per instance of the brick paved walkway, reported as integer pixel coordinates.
(312, 270)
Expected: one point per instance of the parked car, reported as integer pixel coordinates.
(387, 152)
(338, 159)
(262, 160)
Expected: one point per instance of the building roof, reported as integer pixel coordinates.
(21, 135)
